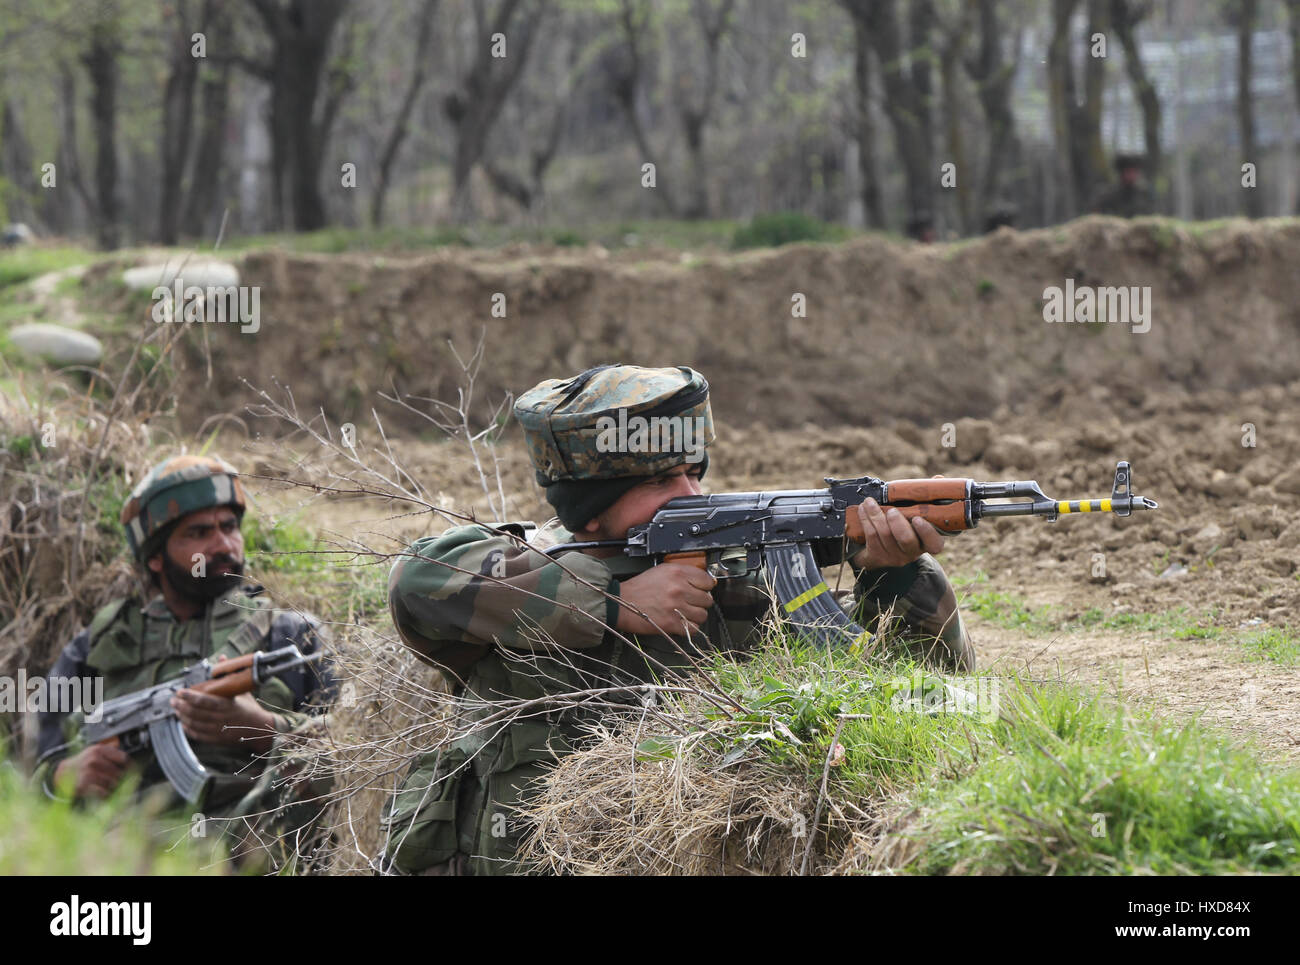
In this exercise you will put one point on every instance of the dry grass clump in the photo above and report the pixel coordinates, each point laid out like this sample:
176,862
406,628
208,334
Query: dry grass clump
63,473
390,709
740,770
796,760
611,810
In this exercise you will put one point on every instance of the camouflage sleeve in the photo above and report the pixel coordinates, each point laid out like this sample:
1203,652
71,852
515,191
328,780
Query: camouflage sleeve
924,603
58,729
472,587
299,694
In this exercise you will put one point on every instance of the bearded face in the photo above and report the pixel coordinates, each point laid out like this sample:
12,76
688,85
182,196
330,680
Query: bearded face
209,536
223,572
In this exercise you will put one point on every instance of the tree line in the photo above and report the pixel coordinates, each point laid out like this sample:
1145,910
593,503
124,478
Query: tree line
162,120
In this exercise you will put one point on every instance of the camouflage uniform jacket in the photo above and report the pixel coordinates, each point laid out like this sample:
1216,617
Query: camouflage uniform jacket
508,603
133,647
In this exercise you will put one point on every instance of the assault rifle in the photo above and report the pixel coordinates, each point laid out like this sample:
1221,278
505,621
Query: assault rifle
146,718
734,534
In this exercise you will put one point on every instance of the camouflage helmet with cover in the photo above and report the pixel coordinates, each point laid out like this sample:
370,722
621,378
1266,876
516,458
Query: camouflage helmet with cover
594,436
173,489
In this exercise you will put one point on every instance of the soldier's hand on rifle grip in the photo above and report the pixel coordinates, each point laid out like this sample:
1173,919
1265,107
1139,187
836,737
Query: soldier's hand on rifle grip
99,769
668,594
891,539
225,720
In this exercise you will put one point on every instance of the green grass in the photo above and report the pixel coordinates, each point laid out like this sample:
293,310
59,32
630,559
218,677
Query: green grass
628,234
332,583
1044,779
22,264
280,545
110,838
17,311
1071,784
789,698
340,240
1273,645
1012,612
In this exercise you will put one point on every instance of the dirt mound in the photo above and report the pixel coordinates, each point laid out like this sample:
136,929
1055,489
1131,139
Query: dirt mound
888,331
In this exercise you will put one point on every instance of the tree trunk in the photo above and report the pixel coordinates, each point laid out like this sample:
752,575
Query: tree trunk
100,59
922,171
202,209
60,210
1247,10
397,134
1125,20
1293,27
864,129
1091,167
954,40
695,115
993,80
907,98
1077,126
300,32
626,67
1060,95
178,115
18,165
473,108
298,86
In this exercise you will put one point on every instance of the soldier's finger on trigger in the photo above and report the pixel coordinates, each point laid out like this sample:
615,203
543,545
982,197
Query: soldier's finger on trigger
110,755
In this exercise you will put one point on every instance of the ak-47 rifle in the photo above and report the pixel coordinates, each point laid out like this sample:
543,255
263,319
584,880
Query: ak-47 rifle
145,718
734,534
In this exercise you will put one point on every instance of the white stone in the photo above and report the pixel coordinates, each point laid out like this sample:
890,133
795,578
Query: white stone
204,274
66,346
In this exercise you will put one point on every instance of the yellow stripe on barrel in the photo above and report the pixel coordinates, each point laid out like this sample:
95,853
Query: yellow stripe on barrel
805,597
1084,506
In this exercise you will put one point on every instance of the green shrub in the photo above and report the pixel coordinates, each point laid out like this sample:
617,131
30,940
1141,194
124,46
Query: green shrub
280,545
781,228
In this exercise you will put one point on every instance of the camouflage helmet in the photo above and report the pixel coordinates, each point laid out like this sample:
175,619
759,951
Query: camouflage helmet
174,488
616,421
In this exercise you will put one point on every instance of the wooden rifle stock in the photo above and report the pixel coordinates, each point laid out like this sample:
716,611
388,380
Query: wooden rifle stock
230,678
940,502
